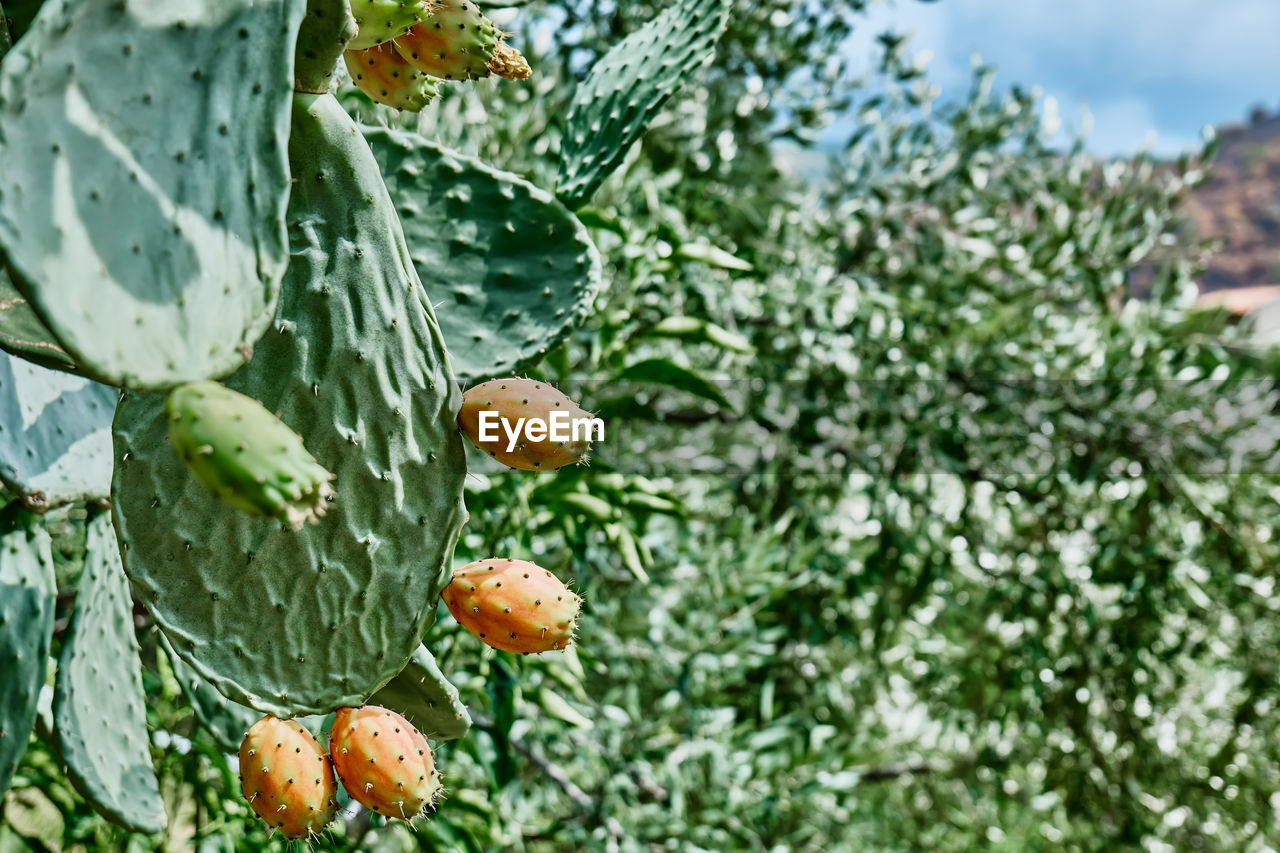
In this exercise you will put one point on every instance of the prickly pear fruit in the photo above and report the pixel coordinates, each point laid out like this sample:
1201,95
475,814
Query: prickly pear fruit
287,778
459,43
384,75
513,605
504,436
383,761
381,21
245,455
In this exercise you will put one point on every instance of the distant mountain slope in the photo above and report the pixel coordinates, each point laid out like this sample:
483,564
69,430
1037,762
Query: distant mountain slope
1240,205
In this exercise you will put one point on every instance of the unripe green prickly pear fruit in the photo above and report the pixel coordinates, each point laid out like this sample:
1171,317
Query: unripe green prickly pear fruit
381,21
459,43
287,778
497,416
513,605
245,455
384,75
383,761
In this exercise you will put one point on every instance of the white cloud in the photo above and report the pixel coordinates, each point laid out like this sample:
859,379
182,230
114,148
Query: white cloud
1168,66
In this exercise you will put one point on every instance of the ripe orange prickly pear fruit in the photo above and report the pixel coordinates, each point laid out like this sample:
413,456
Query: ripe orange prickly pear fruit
287,778
384,762
513,605
504,436
457,42
383,75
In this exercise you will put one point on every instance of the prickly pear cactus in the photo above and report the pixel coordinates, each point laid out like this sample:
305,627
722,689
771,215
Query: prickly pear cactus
383,74
227,721
383,20
516,270
98,704
626,89
24,334
144,238
423,696
457,42
27,596
304,622
55,444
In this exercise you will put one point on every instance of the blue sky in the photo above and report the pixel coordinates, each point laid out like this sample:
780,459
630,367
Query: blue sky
1141,67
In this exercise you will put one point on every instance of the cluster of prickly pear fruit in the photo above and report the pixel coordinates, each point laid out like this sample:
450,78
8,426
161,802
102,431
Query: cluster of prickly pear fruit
402,49
383,762
264,249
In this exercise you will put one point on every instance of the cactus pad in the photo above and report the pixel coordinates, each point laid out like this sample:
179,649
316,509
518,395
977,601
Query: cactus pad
24,334
626,89
98,704
55,434
27,596
227,721
143,236
299,623
423,696
515,271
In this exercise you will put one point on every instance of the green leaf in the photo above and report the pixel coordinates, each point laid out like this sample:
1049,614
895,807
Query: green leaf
662,371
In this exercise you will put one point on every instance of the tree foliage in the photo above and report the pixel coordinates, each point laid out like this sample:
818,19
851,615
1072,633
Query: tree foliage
916,526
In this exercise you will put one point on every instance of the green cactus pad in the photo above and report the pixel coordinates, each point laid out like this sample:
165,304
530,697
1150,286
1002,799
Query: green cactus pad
99,707
24,334
143,209
383,20
20,14
627,87
55,434
515,270
227,721
27,596
423,696
296,623
326,31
